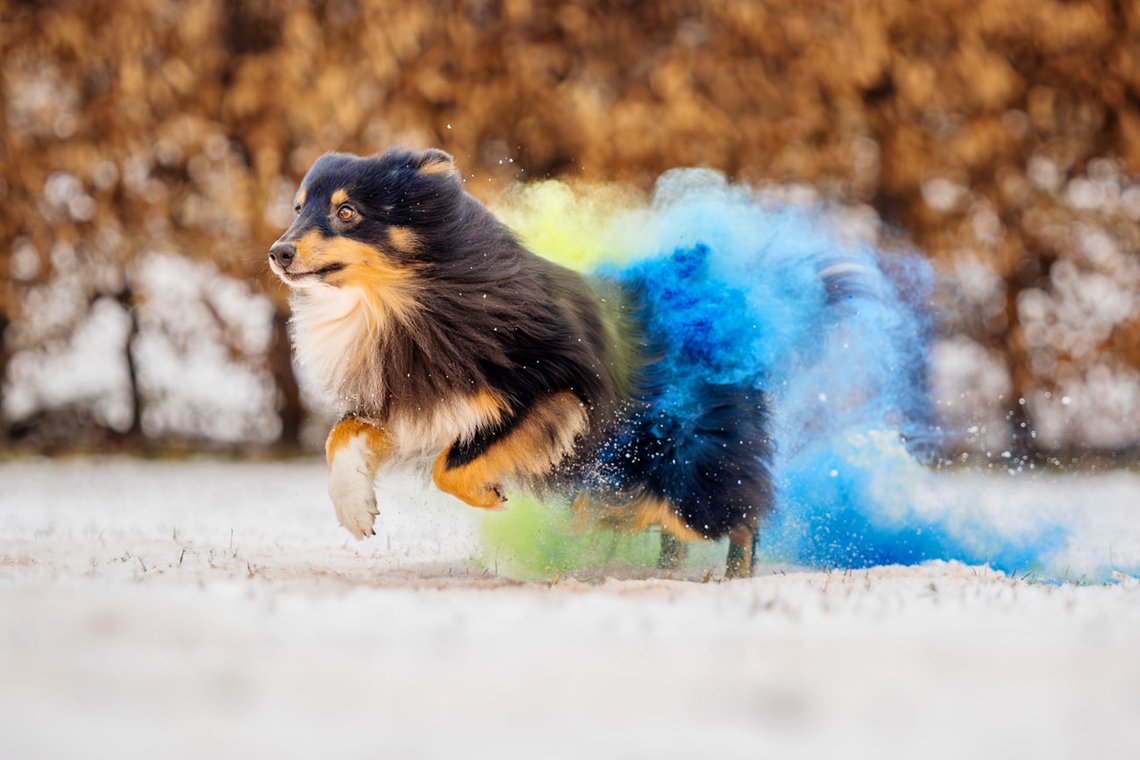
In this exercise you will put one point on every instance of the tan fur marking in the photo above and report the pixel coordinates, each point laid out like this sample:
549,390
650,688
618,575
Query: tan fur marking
526,450
389,290
632,517
379,444
651,511
301,196
439,166
403,239
489,404
339,197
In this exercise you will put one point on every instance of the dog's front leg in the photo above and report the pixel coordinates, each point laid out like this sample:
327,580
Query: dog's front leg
354,450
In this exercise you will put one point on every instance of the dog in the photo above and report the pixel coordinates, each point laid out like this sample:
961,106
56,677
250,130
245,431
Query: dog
435,333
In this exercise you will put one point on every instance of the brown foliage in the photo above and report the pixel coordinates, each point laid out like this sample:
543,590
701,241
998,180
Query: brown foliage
186,125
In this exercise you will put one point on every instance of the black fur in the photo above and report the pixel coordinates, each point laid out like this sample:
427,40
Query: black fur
492,314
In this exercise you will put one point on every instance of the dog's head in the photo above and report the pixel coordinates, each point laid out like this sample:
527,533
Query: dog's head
363,220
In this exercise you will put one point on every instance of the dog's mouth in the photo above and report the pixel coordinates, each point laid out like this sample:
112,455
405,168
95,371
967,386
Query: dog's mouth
293,277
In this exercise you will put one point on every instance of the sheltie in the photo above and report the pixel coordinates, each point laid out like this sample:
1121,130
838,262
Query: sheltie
435,333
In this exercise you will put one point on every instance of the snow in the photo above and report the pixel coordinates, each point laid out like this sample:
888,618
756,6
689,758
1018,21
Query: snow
193,608
200,350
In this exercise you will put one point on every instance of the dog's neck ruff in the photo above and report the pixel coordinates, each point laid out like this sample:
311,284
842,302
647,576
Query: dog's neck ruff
337,335
340,338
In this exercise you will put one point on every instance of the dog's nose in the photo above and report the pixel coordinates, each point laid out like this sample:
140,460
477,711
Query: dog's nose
283,254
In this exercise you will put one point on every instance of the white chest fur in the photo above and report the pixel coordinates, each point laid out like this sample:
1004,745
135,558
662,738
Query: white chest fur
336,339
427,432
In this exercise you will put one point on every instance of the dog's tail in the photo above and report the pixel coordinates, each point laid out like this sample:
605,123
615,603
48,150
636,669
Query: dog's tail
846,279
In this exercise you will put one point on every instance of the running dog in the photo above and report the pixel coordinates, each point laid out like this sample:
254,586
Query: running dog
435,333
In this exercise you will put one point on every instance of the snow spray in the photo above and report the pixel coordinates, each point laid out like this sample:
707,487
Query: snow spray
761,292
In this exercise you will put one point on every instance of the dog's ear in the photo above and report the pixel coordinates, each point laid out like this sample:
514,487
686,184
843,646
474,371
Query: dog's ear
435,161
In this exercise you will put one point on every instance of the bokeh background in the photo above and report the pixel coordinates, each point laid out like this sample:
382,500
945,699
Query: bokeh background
149,152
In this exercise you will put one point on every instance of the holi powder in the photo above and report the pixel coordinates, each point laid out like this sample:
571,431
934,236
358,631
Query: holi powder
743,289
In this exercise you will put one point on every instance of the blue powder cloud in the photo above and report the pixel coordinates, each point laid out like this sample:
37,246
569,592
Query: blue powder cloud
745,292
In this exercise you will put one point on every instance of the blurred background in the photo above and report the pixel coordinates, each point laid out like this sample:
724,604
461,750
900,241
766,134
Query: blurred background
149,152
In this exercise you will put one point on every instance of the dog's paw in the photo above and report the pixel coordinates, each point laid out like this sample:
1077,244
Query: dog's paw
489,497
355,510
353,494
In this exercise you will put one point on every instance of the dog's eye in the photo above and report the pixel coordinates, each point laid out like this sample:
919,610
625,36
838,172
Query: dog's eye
345,213
297,209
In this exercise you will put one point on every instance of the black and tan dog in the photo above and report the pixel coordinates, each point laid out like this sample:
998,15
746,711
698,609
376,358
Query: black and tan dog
436,333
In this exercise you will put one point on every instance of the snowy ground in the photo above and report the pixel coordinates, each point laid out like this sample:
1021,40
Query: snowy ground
162,609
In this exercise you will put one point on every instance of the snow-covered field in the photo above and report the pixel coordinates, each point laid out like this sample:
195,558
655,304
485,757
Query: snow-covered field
205,609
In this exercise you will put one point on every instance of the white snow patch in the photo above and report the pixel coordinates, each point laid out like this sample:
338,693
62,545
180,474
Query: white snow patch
90,368
202,609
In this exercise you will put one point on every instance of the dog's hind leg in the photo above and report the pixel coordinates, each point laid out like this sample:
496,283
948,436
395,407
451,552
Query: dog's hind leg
673,551
530,445
741,544
354,450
